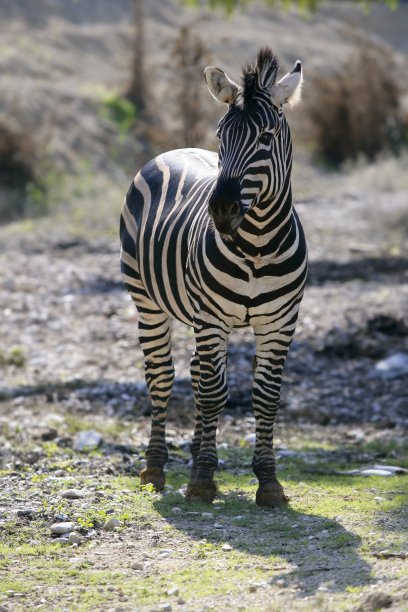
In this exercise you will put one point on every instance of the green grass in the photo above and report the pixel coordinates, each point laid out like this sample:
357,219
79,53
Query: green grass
334,522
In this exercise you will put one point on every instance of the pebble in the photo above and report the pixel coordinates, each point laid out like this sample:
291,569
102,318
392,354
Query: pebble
59,528
75,538
112,524
207,514
137,566
218,526
250,439
164,607
393,366
176,510
165,553
72,494
253,588
226,547
173,591
87,440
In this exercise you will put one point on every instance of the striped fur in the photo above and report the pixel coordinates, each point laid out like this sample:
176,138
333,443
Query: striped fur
214,242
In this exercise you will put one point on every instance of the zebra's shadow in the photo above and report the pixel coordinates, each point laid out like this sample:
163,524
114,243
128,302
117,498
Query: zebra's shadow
303,552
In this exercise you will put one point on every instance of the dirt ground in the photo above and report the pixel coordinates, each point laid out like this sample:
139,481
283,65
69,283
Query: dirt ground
70,363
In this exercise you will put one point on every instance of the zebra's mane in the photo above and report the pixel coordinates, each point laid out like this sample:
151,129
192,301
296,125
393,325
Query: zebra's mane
255,75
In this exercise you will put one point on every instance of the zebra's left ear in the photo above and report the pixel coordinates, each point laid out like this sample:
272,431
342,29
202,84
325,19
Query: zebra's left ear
220,85
289,88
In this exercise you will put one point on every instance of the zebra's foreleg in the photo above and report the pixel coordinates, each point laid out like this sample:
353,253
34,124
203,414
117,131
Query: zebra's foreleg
154,336
271,352
198,426
212,396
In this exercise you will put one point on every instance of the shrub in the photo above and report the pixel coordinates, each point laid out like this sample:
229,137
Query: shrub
357,110
22,168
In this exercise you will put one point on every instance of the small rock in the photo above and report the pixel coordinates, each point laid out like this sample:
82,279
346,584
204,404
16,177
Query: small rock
218,526
376,472
250,439
207,514
253,588
393,367
75,538
87,440
176,510
60,528
72,494
137,566
226,547
166,607
112,524
173,591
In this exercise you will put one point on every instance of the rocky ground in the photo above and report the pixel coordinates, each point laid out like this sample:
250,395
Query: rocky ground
71,365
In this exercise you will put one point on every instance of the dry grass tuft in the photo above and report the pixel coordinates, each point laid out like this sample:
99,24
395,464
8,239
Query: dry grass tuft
358,110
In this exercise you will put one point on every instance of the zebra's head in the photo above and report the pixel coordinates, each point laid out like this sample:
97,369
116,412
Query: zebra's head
255,147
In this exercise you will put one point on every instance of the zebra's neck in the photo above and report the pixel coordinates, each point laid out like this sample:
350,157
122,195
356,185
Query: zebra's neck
269,228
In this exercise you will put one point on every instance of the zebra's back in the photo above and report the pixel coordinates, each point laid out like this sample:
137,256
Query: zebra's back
165,205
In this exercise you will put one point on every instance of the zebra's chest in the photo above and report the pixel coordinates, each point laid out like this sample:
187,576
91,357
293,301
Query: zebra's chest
237,291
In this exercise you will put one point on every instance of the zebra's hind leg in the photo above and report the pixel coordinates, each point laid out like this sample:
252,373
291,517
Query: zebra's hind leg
154,336
271,350
212,396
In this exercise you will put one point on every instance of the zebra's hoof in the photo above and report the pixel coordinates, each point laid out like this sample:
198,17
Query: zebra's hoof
201,491
271,494
154,476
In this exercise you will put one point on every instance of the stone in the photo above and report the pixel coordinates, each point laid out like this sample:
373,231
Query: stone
75,538
176,510
60,528
137,566
112,524
393,366
250,439
72,494
173,591
87,440
226,547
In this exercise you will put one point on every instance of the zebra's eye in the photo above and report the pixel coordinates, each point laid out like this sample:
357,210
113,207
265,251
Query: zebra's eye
265,138
218,134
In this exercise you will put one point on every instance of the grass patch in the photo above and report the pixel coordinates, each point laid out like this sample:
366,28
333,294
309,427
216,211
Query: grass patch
333,522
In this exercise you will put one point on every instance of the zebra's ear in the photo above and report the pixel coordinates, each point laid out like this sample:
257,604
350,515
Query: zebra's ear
221,87
289,88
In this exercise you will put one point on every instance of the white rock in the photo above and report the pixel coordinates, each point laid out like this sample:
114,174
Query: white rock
112,524
176,510
218,526
87,440
250,439
60,528
394,366
173,591
207,514
226,547
376,472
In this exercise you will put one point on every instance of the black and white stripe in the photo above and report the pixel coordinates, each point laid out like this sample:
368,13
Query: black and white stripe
214,242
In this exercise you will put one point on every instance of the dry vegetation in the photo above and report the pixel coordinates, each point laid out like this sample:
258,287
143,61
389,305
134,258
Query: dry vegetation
357,110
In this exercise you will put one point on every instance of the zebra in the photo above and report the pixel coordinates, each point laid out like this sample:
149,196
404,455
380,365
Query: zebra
214,242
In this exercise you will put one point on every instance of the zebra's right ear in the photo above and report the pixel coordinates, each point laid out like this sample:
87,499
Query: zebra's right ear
221,87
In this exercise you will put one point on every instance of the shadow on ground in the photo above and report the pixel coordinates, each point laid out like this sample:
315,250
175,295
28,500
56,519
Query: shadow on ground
304,551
